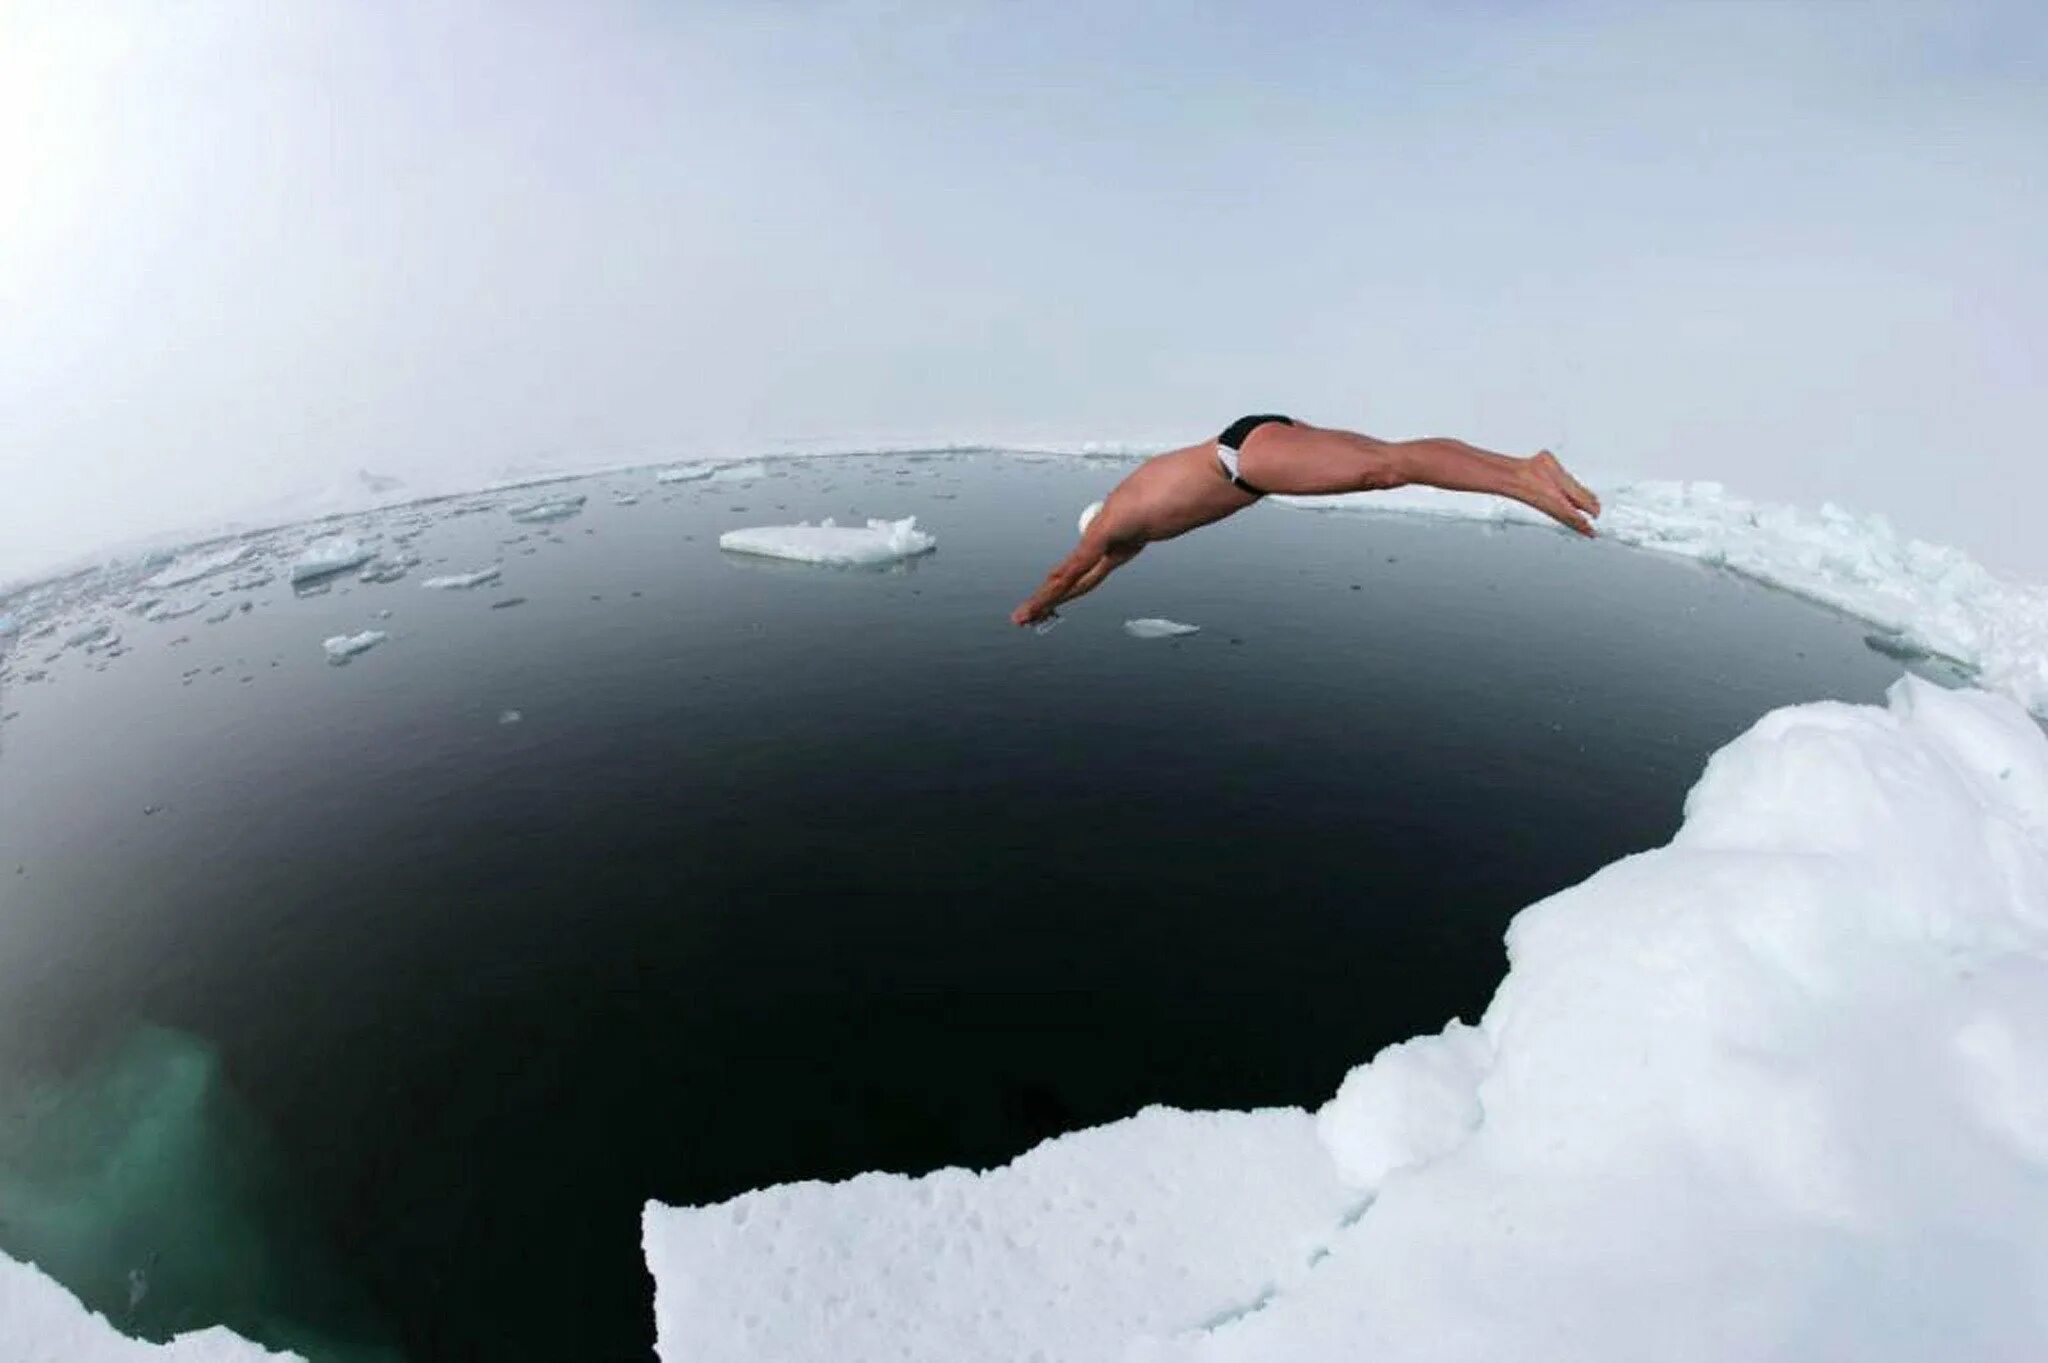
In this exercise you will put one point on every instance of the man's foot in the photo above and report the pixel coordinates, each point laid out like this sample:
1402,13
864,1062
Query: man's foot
1560,496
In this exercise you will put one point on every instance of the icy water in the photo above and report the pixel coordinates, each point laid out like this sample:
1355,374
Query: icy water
361,1007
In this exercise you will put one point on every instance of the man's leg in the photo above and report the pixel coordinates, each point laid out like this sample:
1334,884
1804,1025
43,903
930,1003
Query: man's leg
1309,460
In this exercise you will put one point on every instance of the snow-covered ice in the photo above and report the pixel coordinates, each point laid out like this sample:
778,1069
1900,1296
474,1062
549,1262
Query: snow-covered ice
463,581
40,1322
341,647
192,567
1152,627
1777,1090
684,473
328,556
877,542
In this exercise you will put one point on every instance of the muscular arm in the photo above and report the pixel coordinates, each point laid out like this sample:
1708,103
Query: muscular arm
1079,573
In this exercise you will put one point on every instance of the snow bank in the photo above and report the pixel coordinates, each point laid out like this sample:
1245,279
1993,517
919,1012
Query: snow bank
1151,627
828,542
42,1323
1778,1090
326,557
464,581
1933,600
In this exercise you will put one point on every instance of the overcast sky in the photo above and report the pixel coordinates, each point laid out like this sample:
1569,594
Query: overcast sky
249,249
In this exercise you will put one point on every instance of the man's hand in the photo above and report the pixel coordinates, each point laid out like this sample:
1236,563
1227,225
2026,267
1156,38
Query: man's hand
1557,494
1030,613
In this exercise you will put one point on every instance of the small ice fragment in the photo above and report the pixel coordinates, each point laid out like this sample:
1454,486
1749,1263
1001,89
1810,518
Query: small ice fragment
878,542
196,566
326,557
89,634
1153,628
1089,513
384,570
173,610
224,613
547,509
1047,625
740,473
463,581
342,647
625,499
507,603
683,473
509,717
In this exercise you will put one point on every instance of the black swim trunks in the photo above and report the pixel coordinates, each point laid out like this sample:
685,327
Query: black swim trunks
1232,440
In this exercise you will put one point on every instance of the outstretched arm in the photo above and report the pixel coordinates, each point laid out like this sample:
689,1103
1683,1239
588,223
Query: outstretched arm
1075,575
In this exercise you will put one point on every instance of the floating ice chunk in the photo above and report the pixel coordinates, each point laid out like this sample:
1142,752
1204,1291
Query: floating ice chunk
829,542
40,1322
192,568
739,473
89,634
685,473
1151,627
509,717
341,647
547,509
1089,513
1778,1089
464,581
325,557
174,610
625,499
381,570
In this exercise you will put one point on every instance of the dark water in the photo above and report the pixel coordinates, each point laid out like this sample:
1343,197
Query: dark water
336,1007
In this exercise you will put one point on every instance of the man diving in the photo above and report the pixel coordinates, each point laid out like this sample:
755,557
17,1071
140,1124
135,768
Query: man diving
1174,493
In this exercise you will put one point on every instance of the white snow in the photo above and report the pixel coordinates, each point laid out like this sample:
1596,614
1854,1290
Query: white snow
341,647
1152,627
1778,1090
195,566
463,581
40,1322
1936,600
328,556
877,542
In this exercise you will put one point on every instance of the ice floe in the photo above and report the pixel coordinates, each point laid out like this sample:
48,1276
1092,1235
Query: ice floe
1152,627
878,542
40,1322
341,647
195,566
547,509
684,473
464,581
1776,1090
323,558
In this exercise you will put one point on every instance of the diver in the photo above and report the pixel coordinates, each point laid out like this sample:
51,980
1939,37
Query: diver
1173,493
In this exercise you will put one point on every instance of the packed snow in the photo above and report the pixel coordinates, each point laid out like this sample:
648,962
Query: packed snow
40,1322
1776,1090
1152,627
326,557
464,581
341,647
877,542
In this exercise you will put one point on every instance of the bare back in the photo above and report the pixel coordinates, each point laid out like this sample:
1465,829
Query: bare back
1170,494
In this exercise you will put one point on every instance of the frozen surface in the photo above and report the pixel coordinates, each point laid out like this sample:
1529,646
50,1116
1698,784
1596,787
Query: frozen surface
1064,1254
326,557
547,509
341,647
1778,1090
42,1323
684,473
876,542
192,567
463,581
1931,599
1152,627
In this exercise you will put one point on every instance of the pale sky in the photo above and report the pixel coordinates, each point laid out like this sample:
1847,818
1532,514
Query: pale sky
249,249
